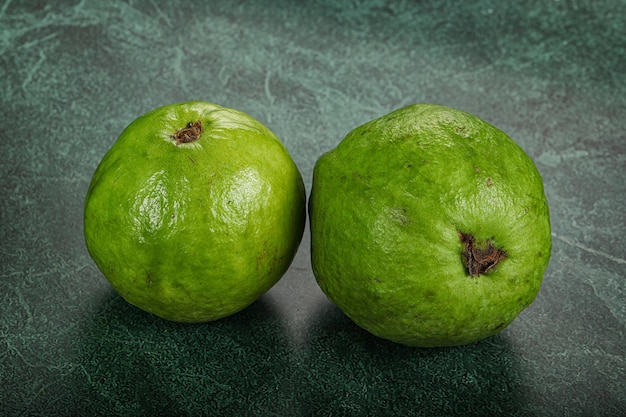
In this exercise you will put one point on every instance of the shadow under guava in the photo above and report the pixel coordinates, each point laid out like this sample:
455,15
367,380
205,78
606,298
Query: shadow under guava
347,371
137,364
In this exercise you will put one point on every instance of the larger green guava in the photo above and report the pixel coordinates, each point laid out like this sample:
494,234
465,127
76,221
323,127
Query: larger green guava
429,227
194,212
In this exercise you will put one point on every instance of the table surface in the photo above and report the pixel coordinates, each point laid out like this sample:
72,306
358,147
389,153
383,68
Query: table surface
73,74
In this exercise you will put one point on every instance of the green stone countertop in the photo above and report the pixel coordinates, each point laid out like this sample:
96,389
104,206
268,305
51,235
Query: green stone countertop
73,74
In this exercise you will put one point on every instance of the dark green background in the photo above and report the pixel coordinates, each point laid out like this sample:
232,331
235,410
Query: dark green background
73,74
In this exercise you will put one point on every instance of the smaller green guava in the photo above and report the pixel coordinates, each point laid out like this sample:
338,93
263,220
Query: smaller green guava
194,212
429,227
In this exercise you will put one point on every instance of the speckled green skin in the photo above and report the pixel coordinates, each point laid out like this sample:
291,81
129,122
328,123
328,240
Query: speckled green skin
386,209
195,231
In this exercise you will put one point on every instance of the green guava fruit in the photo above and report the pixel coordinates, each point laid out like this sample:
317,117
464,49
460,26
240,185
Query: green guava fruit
429,227
194,212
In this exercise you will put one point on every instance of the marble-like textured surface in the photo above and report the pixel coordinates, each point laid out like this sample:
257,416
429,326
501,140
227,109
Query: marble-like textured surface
73,74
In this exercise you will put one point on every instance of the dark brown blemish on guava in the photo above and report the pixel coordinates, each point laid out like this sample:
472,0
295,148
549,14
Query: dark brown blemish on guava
190,133
489,182
148,279
479,260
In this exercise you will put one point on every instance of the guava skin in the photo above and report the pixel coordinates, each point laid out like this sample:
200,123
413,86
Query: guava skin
391,208
194,229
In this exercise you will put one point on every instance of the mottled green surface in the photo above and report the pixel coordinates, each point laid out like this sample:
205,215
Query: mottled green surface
73,74
386,243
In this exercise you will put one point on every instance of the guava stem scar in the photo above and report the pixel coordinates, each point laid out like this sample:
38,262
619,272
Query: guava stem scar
479,260
190,133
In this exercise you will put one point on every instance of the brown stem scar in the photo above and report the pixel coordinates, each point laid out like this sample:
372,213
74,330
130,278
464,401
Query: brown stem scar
190,133
479,260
